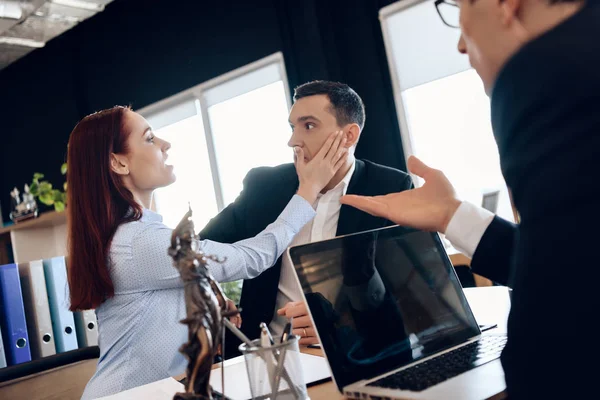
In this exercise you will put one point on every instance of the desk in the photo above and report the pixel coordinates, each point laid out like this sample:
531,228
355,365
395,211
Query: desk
489,304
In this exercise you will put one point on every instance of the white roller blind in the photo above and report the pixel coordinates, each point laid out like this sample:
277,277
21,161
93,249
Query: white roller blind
243,84
174,113
423,48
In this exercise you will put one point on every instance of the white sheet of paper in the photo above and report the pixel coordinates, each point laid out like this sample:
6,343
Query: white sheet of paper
314,368
159,390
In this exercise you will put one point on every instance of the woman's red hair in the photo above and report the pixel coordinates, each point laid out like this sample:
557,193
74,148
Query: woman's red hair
97,203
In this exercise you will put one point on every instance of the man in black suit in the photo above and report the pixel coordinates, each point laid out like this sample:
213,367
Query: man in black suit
539,61
320,107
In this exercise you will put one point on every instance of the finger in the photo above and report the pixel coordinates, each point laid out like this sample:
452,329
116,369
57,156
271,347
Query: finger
341,161
419,168
298,156
289,304
237,321
308,341
300,332
326,146
296,311
335,145
367,204
339,152
301,322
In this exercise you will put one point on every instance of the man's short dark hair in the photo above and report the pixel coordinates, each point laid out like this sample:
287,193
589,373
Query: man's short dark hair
347,106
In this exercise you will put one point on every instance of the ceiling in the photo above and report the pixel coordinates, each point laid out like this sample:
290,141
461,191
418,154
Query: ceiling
26,25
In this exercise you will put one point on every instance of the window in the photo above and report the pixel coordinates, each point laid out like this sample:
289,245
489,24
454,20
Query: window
218,131
443,110
249,126
194,185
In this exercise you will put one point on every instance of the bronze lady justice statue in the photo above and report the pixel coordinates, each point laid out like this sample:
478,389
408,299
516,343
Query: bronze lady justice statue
205,306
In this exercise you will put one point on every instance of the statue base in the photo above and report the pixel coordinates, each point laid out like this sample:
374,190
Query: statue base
17,217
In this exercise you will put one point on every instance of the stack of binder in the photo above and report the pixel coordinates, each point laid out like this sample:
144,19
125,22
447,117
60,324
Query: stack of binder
63,322
87,328
35,320
2,354
37,309
12,318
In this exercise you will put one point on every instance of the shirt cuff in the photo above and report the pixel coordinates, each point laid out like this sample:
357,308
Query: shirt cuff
297,213
467,226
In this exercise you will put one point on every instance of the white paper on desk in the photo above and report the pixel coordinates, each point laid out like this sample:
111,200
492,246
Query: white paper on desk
490,305
314,368
159,390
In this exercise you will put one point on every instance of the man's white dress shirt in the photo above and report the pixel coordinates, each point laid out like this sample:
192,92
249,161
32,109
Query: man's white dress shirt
323,226
467,226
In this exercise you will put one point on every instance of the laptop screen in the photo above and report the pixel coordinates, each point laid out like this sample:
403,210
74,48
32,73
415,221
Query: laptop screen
382,299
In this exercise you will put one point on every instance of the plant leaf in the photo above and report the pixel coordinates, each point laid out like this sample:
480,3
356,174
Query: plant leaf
59,206
37,176
47,198
58,196
33,189
63,168
45,186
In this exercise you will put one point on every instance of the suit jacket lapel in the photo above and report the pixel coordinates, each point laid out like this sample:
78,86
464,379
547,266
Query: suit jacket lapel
282,194
289,186
350,217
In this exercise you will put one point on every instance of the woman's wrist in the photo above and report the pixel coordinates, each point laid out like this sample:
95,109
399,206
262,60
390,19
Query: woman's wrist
307,193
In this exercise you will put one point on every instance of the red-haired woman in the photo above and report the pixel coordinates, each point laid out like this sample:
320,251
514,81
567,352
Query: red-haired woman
118,262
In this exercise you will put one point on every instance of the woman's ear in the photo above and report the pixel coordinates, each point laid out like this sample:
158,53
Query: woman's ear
352,135
119,164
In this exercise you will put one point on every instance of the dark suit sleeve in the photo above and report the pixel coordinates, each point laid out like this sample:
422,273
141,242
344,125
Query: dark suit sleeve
408,183
229,226
493,256
400,185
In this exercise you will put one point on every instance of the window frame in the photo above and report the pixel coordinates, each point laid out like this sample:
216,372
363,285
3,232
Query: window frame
196,95
406,135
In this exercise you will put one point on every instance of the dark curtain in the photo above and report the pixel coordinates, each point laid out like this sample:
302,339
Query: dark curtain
342,41
138,52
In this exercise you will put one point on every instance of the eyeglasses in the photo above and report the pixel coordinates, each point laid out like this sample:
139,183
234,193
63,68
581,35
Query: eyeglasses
449,12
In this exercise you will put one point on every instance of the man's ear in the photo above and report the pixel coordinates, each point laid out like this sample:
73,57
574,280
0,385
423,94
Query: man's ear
510,10
352,134
119,164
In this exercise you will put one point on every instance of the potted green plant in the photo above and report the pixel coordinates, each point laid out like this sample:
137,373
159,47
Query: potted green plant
46,194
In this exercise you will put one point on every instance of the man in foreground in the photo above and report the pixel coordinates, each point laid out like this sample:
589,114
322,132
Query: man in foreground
539,61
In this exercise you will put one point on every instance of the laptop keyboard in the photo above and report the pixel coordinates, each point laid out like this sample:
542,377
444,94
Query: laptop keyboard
445,366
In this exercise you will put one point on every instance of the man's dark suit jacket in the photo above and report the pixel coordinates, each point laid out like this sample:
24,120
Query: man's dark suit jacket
546,119
267,190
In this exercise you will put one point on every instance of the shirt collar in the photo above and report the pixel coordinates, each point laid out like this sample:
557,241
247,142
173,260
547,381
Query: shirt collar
342,186
347,177
150,216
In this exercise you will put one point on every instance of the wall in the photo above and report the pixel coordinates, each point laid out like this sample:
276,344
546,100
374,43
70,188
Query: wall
140,51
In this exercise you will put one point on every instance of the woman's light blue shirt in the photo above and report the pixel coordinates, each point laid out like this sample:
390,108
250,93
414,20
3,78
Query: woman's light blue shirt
139,332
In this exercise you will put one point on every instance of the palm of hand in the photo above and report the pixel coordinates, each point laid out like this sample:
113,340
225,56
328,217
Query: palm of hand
424,208
429,207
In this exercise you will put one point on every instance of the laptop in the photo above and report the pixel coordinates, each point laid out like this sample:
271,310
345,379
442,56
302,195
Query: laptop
393,319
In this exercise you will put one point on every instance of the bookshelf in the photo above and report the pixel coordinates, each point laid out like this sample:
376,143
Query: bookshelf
34,239
42,238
